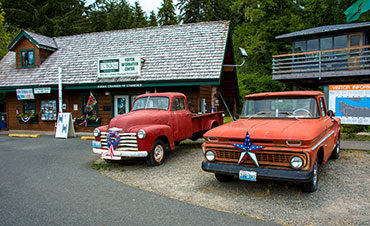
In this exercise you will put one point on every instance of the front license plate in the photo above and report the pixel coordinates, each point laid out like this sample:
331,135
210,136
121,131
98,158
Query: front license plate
248,175
96,144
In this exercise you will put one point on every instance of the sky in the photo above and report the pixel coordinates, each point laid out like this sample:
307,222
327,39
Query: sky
147,5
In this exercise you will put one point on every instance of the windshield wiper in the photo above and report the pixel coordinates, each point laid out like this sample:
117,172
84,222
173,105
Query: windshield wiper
288,113
260,113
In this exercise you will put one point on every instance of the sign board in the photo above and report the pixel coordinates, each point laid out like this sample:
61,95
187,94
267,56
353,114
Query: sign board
65,126
42,90
119,67
351,103
25,94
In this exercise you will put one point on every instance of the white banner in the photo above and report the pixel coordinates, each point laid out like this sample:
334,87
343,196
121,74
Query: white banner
119,67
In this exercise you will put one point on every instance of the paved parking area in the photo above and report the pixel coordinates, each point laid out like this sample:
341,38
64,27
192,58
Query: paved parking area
343,197
47,181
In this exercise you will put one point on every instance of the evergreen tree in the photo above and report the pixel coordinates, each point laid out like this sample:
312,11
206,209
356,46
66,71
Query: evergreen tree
4,36
153,19
192,11
140,19
166,13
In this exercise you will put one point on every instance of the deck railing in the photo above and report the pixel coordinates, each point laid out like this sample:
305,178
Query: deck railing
319,62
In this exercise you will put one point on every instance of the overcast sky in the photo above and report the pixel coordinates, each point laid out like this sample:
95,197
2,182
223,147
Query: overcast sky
147,5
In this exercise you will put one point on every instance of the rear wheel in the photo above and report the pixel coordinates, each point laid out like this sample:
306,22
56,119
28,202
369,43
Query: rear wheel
336,151
224,177
312,185
156,156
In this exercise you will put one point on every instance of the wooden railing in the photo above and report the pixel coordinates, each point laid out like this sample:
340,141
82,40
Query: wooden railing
319,62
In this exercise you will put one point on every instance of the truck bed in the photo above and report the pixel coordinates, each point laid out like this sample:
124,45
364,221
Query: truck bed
203,122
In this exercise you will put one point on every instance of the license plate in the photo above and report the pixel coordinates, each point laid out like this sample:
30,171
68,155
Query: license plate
96,144
248,175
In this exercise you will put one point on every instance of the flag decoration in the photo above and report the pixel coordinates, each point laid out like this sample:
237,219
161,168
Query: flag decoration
113,141
91,102
356,9
248,150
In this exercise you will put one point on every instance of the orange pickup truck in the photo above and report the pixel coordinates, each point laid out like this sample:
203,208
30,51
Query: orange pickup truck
280,136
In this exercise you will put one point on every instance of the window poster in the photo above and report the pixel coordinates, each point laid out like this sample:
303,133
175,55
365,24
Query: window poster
48,110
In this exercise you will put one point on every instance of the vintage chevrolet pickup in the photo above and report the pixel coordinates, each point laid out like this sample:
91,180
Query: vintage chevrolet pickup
157,121
280,136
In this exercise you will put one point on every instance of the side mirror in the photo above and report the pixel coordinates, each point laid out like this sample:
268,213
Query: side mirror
331,114
236,117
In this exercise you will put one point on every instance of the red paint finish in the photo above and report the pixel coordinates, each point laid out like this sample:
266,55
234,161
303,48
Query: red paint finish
168,125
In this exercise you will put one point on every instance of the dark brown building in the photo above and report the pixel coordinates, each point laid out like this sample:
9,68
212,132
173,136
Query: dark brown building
116,66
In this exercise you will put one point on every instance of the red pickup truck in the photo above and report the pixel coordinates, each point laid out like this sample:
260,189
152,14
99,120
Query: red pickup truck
157,121
280,136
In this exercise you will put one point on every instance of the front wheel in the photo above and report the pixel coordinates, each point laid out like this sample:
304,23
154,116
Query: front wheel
156,156
312,185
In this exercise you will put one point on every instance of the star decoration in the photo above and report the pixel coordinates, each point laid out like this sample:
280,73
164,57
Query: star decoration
249,150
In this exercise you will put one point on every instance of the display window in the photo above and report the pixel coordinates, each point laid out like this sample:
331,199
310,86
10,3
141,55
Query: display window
48,110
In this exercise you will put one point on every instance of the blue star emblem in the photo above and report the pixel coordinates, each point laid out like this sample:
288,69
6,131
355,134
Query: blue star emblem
248,150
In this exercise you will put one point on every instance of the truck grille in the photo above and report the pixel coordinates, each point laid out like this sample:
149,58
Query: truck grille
128,141
265,158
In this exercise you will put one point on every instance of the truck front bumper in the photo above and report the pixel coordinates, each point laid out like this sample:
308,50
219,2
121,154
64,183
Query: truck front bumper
118,155
262,173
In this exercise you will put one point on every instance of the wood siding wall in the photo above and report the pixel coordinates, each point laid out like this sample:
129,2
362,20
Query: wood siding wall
23,45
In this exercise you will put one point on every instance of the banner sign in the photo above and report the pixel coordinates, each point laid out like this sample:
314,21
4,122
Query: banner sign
25,94
65,126
351,103
119,67
42,90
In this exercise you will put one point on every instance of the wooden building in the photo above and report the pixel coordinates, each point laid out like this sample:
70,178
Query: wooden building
335,54
116,66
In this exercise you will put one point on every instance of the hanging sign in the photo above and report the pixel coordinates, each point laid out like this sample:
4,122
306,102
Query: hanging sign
119,67
65,126
42,90
25,94
351,103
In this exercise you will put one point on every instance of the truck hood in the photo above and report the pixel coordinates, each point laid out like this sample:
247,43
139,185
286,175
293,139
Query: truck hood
138,118
270,129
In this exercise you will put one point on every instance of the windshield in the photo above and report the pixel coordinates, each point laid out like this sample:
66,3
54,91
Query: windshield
280,107
160,103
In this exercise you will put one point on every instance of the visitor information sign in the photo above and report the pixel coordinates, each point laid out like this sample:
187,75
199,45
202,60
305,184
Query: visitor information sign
65,127
351,103
119,67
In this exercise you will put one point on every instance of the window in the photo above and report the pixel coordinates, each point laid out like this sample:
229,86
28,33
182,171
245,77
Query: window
340,42
323,112
299,46
312,45
29,106
326,43
178,104
27,58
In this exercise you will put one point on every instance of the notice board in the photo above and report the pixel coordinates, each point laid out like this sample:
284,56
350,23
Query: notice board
65,126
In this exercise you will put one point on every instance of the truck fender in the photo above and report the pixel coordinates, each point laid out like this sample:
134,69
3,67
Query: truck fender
153,132
211,124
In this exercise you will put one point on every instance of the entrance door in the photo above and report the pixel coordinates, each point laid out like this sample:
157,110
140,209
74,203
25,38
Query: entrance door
354,41
121,105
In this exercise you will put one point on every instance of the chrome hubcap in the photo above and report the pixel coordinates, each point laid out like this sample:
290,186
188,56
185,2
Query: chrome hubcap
158,153
315,174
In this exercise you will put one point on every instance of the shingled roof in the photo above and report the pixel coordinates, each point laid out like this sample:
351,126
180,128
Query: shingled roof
187,52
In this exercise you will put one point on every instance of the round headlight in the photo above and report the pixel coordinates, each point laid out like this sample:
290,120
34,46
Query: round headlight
141,134
296,162
210,155
96,132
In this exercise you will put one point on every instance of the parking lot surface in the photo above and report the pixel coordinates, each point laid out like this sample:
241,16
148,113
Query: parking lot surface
48,181
342,197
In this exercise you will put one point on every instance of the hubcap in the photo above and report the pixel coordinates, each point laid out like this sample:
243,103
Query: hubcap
315,174
158,153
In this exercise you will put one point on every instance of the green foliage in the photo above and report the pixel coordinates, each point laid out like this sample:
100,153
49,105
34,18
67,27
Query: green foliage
4,36
192,11
153,19
140,19
354,128
166,14
101,166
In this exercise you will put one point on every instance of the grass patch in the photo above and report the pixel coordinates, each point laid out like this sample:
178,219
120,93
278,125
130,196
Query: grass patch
101,166
227,119
122,170
353,136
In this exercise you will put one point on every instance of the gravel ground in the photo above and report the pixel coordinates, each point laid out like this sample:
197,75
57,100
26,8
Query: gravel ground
342,197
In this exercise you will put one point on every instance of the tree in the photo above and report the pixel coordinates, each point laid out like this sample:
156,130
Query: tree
4,36
192,11
153,19
47,17
140,19
166,13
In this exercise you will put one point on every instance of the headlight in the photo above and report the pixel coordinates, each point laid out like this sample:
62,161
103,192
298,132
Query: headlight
210,156
96,132
296,162
141,134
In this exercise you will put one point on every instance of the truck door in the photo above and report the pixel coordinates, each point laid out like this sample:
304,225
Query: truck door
182,124
329,143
